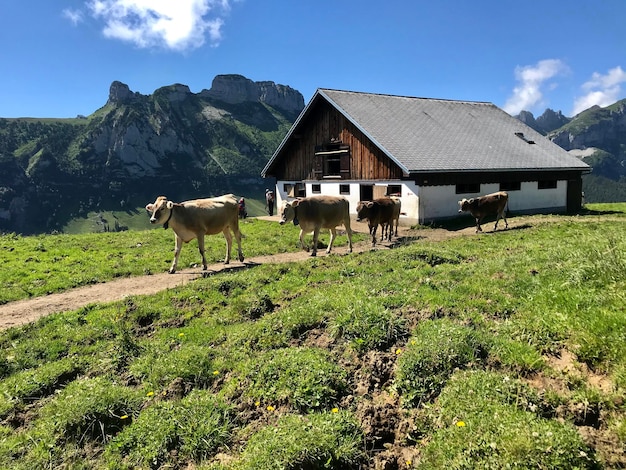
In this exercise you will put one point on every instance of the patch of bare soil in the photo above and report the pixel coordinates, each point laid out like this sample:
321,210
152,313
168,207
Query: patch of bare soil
28,310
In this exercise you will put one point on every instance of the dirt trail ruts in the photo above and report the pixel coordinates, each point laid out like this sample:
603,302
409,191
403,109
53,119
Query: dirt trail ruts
25,311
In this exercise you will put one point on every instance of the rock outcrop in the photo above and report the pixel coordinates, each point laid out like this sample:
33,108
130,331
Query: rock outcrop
235,89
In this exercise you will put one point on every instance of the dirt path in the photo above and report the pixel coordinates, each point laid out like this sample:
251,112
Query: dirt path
24,311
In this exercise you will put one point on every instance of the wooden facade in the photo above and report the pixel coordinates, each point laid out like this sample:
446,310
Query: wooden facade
324,126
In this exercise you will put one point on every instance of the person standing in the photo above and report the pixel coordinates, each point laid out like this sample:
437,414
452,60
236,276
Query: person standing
269,201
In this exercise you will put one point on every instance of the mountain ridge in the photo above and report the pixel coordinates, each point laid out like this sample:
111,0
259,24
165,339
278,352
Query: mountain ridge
172,141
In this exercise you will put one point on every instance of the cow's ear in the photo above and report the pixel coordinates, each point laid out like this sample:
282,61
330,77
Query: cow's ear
471,201
295,203
150,207
169,204
369,204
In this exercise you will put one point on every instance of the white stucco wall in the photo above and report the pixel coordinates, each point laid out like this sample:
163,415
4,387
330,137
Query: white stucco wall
422,204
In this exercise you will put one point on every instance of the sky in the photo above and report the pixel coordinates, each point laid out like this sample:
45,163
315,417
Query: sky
58,58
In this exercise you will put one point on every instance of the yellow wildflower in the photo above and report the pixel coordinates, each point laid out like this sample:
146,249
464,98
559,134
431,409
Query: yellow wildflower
124,417
335,410
270,408
257,403
149,394
460,424
180,335
398,351
216,372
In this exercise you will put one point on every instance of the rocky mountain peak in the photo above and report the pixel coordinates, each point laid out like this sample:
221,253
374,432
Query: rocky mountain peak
234,89
119,93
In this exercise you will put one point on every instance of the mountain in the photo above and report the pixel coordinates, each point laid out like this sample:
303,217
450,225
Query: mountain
598,137
547,122
136,147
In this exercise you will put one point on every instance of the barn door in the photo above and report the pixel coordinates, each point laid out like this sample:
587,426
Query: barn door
380,191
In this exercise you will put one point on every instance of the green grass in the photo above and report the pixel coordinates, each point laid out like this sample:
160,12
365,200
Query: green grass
44,264
496,350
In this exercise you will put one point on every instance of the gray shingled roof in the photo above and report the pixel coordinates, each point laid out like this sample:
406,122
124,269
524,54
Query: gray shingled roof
432,135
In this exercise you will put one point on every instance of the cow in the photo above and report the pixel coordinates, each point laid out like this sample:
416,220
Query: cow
197,218
383,211
317,212
482,206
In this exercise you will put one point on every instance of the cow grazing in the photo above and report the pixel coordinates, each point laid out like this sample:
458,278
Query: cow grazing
482,206
197,218
382,211
317,212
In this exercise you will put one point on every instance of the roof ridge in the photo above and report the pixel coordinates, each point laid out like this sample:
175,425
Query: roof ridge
404,96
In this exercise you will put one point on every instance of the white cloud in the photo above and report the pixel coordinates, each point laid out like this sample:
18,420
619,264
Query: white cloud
532,79
178,25
75,16
601,90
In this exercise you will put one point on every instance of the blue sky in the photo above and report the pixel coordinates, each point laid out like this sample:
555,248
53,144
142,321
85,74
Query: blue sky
59,57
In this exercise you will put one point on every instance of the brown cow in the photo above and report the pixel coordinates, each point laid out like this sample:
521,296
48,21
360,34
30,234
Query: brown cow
197,218
482,206
317,212
383,211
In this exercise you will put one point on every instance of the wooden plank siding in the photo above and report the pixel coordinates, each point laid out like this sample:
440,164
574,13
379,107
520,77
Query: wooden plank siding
296,160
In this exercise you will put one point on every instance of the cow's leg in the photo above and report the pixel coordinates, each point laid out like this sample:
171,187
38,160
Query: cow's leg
373,229
346,224
178,245
478,228
201,250
302,244
238,239
333,234
503,216
229,243
316,235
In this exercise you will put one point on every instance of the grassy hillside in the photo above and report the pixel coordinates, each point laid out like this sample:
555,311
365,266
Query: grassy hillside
498,350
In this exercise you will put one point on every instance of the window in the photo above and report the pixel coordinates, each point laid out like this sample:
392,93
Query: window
546,184
344,189
466,188
316,188
511,186
332,160
394,190
294,189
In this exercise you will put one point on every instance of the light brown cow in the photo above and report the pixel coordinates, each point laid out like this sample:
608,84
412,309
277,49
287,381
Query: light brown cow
482,206
317,212
383,211
197,218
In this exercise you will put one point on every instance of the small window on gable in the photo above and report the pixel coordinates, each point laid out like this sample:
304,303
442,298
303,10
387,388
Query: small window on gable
511,186
344,189
546,184
316,188
467,188
332,160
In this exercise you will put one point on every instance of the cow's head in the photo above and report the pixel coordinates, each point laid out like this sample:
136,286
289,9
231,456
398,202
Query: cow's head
465,204
287,211
159,210
363,210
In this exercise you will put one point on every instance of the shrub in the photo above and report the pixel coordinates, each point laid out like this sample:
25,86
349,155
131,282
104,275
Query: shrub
435,350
